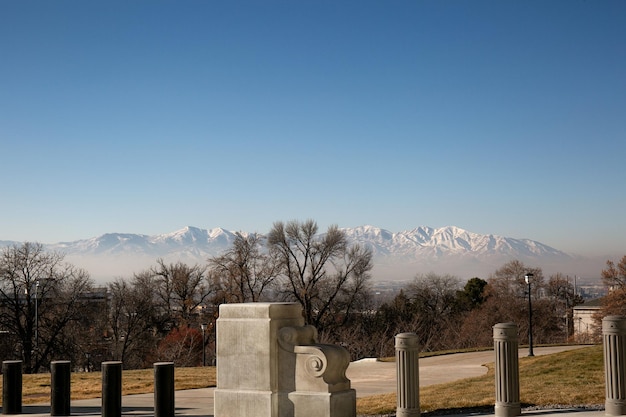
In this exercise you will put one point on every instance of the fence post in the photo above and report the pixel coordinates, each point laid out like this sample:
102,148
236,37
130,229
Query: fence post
12,387
111,389
164,405
507,370
407,374
60,376
614,341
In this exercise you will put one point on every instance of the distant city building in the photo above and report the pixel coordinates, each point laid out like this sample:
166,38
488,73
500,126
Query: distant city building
583,320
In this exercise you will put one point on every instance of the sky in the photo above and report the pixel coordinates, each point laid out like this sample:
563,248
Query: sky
146,116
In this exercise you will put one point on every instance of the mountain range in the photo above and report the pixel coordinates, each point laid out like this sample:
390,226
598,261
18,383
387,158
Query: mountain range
397,255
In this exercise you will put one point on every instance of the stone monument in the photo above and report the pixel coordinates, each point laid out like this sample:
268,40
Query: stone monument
269,364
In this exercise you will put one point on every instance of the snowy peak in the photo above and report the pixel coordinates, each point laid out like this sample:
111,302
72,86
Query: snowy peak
107,243
449,241
189,239
369,233
187,234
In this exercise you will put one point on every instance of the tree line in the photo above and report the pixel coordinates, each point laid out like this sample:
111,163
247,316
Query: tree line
52,310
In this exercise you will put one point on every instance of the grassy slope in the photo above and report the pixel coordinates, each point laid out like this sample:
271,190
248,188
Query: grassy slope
568,378
36,388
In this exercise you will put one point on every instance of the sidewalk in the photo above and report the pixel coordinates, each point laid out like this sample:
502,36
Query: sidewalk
197,402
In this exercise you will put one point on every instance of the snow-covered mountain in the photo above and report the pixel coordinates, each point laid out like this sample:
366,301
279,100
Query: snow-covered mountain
397,255
452,250
447,241
189,240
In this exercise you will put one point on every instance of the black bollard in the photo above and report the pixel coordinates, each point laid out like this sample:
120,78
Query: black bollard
164,389
111,389
12,387
60,376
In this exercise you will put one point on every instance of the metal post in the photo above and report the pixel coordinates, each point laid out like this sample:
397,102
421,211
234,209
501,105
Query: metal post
36,317
111,389
12,387
60,376
203,326
614,341
529,278
507,370
164,405
407,368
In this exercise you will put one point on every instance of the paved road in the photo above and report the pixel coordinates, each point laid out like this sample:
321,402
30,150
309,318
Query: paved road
368,377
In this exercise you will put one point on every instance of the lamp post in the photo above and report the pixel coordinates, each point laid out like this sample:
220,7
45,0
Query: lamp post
203,326
528,278
36,316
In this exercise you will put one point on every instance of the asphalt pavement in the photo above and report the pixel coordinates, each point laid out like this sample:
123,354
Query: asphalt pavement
368,377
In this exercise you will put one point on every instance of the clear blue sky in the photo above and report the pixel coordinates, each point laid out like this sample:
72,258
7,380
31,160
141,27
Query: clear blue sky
145,116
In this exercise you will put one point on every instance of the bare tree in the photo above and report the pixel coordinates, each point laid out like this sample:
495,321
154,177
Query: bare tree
39,295
509,279
132,316
183,346
243,272
436,309
84,341
320,271
560,289
562,295
182,289
614,276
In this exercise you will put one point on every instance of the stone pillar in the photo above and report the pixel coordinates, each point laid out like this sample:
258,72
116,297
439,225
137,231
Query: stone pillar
507,370
164,405
111,389
322,389
12,387
60,377
407,374
614,341
254,375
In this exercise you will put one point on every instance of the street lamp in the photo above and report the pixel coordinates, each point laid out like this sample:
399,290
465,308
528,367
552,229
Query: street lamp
36,316
528,278
203,326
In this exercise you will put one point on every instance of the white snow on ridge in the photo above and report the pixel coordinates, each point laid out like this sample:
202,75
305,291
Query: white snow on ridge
445,240
446,249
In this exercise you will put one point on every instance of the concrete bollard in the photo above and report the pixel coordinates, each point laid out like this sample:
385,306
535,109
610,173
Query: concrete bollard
164,389
407,374
507,370
60,376
12,387
111,389
614,341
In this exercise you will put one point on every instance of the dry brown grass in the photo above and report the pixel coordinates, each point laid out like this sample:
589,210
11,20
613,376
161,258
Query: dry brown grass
569,378
36,388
